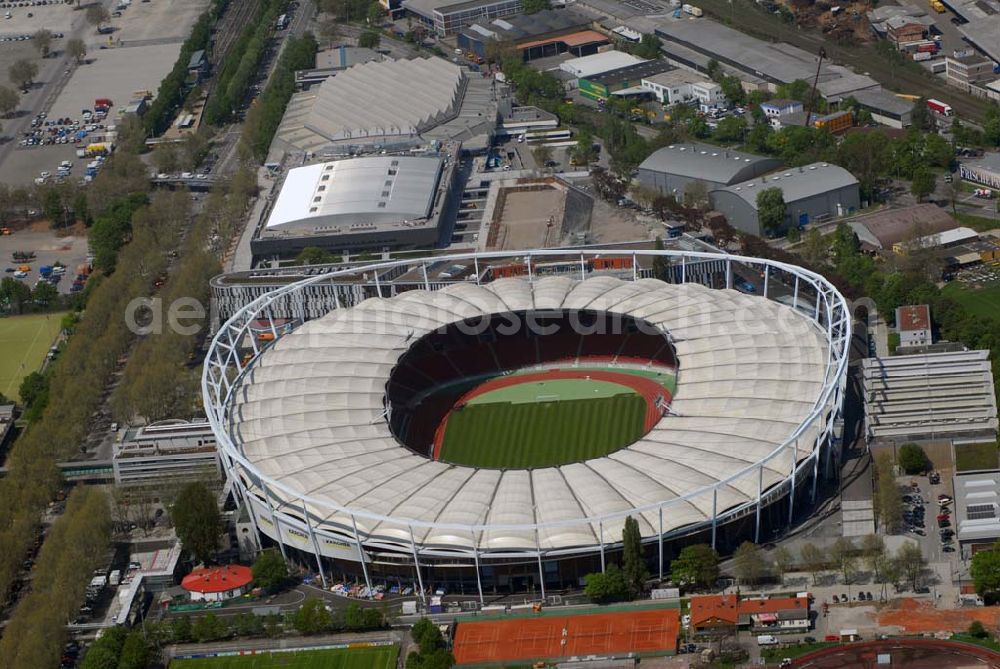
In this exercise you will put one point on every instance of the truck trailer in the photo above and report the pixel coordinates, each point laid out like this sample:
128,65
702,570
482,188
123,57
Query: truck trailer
939,107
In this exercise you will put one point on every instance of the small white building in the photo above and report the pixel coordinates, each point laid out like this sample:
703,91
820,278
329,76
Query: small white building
681,87
599,63
914,324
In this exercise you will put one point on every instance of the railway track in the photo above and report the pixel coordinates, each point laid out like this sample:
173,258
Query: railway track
747,18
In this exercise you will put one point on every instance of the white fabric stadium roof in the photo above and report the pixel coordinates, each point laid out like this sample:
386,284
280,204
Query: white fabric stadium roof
309,413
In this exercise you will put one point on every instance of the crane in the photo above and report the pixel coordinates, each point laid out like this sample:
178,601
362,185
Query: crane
812,94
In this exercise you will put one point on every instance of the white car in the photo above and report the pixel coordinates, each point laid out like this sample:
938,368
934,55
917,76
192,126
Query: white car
685,620
186,175
45,175
19,274
201,176
66,164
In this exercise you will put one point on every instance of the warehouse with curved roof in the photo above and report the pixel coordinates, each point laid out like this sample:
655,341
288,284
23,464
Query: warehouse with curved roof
671,168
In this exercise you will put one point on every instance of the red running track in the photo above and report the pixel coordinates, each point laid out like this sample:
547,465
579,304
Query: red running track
655,395
912,653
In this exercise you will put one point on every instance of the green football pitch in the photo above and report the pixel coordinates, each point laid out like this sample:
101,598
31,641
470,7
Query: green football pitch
24,341
541,430
379,657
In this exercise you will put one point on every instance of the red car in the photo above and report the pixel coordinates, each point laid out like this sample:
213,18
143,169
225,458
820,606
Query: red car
831,637
943,517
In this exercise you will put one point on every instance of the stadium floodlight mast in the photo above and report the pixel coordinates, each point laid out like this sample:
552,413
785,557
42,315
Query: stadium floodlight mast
331,529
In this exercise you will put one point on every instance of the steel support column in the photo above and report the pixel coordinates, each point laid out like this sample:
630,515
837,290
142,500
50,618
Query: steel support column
361,552
378,284
416,564
427,281
767,275
312,538
729,273
659,541
760,502
684,268
795,294
791,496
715,514
479,580
600,530
274,520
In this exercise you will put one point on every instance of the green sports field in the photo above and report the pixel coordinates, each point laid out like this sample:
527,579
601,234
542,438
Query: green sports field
24,341
380,657
505,435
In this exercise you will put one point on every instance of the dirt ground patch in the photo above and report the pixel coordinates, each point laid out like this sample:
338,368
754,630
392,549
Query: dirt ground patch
920,616
531,219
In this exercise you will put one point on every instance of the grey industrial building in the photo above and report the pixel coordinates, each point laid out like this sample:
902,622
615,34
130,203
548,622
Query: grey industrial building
542,34
930,396
811,192
373,202
673,167
447,17
166,452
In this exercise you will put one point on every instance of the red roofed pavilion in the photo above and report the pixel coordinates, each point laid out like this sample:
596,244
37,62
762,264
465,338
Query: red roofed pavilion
217,583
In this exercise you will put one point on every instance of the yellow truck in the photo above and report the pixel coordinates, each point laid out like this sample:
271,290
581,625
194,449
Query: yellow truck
938,6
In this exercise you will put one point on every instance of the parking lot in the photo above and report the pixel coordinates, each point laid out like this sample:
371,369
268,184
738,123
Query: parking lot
157,20
69,248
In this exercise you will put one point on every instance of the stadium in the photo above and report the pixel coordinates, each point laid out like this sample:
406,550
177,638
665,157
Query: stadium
492,426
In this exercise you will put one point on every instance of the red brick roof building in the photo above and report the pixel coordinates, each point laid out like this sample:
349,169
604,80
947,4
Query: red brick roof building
776,614
217,583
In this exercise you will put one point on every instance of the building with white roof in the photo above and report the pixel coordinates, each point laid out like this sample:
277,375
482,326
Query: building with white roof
309,431
599,63
977,510
374,202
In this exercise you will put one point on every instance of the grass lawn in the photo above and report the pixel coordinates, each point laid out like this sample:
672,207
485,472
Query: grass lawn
24,341
381,657
795,650
983,302
542,433
978,223
973,457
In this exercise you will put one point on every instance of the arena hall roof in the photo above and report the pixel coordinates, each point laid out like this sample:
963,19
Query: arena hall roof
360,191
310,413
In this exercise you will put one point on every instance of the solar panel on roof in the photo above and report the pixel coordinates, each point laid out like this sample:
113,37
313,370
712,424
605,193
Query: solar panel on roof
980,511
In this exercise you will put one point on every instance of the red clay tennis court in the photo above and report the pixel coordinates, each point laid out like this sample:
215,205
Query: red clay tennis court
650,631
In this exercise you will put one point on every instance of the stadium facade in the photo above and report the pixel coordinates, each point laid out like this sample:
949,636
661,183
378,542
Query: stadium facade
303,413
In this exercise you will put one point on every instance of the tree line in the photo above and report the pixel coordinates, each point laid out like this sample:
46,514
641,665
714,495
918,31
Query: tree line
232,82
265,115
75,545
170,94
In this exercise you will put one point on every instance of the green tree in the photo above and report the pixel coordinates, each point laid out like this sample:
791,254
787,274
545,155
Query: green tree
34,390
606,587
648,47
369,39
913,459
783,561
135,651
209,627
45,294
432,653
535,6
270,570
813,560
42,41
921,118
923,183
196,517
661,265
23,72
14,295
97,14
9,99
771,210
911,562
354,617
730,129
180,629
312,617
376,14
844,554
634,566
873,552
697,566
76,48
985,572
105,653
748,563
977,630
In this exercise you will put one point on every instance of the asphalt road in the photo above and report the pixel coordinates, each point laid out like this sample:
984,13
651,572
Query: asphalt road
863,59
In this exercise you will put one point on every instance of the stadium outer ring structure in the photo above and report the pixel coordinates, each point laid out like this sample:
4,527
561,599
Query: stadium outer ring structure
229,359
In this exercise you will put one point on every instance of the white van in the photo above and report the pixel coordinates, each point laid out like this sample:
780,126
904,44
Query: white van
767,640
